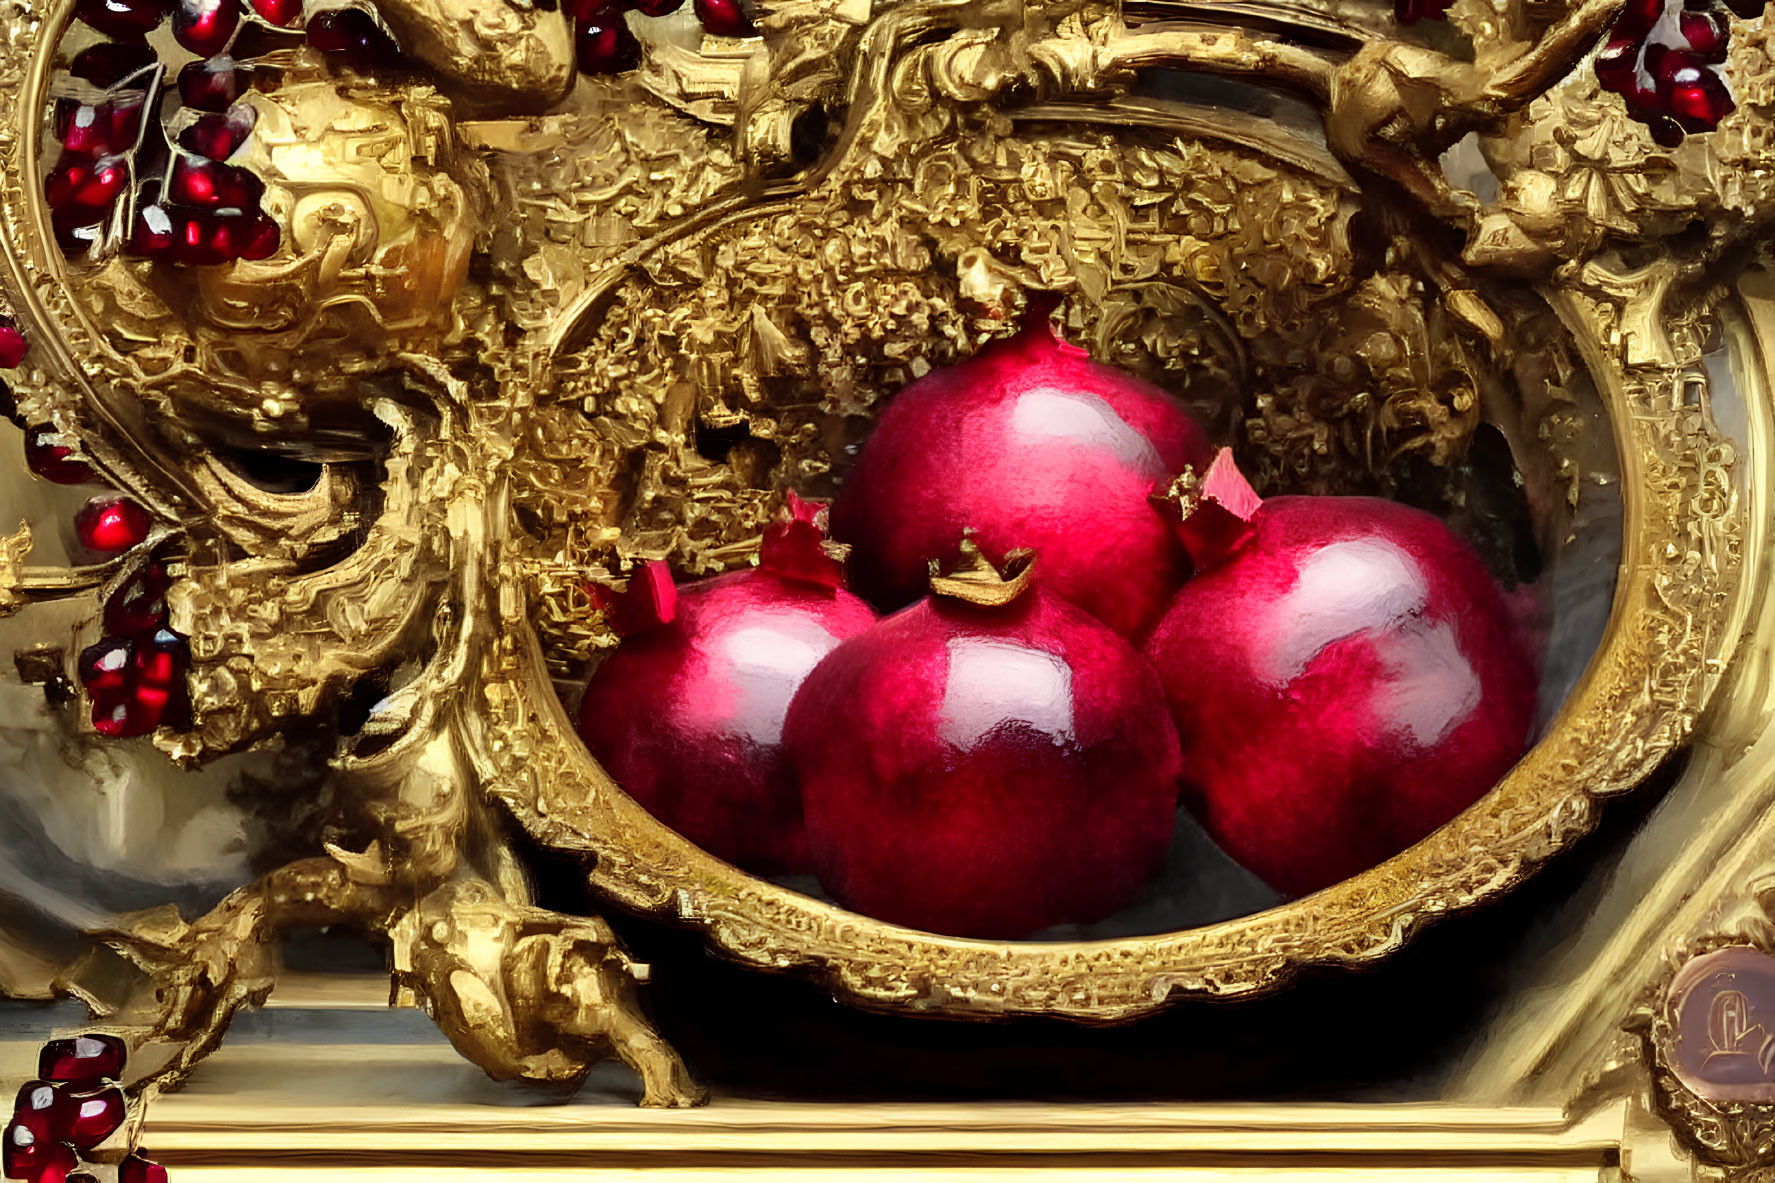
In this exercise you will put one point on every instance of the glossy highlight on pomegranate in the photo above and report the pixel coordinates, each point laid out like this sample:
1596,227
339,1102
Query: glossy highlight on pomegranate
985,771
687,715
1345,677
1028,444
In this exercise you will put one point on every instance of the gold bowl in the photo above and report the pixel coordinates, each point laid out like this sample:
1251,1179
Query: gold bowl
1677,612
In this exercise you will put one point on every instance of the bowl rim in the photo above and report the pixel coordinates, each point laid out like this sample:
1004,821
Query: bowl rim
1673,624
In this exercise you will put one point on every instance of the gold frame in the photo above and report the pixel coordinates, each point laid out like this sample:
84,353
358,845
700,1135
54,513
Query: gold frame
1693,571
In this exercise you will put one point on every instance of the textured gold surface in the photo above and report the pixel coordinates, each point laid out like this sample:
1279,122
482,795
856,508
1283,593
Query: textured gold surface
277,1111
540,315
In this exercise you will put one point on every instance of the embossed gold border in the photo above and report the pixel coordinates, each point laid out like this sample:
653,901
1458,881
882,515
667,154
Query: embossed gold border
246,1123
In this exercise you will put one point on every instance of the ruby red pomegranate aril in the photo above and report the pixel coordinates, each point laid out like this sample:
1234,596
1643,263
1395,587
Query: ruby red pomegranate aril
138,1169
211,86
202,238
148,694
1664,68
604,44
1706,32
161,662
122,20
43,1109
138,607
111,525
95,1117
355,36
1698,98
219,134
13,345
110,62
36,1096
725,18
94,131
55,462
153,236
27,1155
282,13
205,27
199,237
1618,63
79,187
208,185
104,667
82,1059
257,236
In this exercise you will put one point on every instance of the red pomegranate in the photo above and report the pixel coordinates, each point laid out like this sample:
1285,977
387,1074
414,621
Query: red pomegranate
1029,444
687,715
987,762
1345,677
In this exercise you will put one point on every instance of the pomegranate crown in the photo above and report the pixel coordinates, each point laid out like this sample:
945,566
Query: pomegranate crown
796,548
1216,510
975,580
648,601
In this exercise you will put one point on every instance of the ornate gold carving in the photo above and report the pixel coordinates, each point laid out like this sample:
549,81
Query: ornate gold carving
13,550
500,342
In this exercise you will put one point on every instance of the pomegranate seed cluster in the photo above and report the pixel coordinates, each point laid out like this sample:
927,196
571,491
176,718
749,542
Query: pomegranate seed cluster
146,147
1664,60
72,1109
1662,56
1070,616
134,676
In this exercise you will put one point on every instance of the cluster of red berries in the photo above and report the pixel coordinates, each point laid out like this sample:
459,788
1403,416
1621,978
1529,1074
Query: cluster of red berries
605,45
1663,58
135,677
73,1107
165,187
